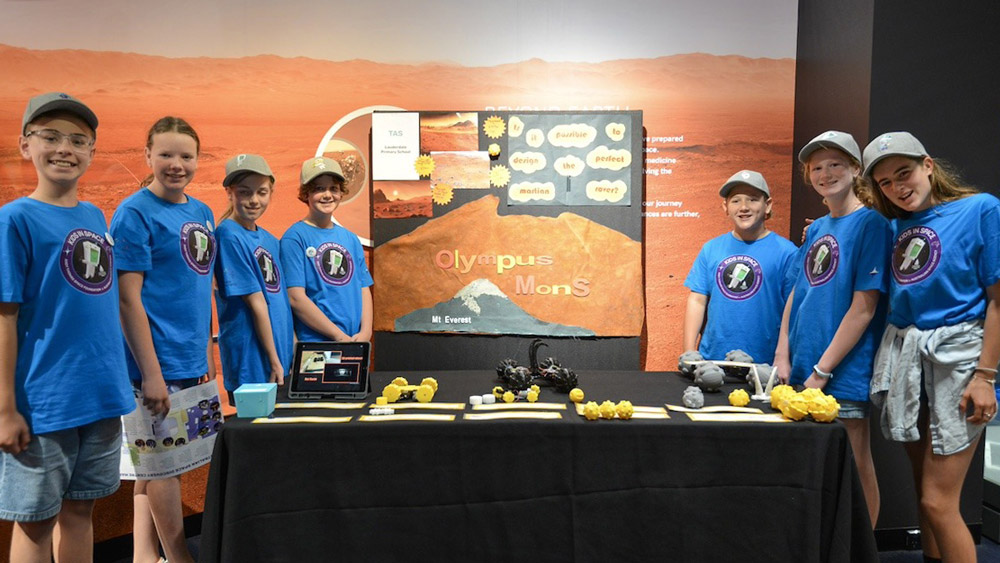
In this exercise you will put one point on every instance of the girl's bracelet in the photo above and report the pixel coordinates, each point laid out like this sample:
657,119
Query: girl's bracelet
990,380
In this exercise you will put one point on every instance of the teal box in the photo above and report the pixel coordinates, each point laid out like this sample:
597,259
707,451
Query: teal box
255,399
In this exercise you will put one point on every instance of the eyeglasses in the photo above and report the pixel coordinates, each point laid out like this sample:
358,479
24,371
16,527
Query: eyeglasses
52,139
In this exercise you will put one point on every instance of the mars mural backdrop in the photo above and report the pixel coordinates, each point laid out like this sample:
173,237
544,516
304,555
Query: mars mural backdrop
714,82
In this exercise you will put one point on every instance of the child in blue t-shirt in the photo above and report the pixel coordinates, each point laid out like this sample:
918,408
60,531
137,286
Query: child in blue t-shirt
936,366
739,278
62,389
166,251
255,321
328,281
835,315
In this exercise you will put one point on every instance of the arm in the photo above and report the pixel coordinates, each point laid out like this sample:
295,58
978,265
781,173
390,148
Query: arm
210,356
781,358
135,327
980,391
307,311
365,334
852,326
265,335
694,319
14,434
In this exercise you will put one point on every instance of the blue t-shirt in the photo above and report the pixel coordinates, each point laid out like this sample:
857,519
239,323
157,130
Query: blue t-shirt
173,244
841,255
58,267
330,265
746,284
248,263
943,259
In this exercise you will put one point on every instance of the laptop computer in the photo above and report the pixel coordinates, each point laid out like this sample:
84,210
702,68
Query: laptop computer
330,370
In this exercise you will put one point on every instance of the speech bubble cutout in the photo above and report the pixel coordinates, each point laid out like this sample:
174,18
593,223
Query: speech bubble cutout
528,191
574,135
615,131
609,159
515,126
604,190
527,162
534,138
569,165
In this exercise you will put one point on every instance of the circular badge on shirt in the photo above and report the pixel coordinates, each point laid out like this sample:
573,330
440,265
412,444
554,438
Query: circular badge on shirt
334,264
739,277
822,260
197,247
310,252
915,255
109,238
269,269
86,262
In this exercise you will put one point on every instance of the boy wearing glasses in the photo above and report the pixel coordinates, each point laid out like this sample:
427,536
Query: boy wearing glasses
62,391
329,286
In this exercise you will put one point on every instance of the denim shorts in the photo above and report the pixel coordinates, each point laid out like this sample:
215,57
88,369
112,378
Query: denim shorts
854,409
74,464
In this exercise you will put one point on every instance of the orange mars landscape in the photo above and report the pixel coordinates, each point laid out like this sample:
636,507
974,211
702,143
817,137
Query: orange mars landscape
448,131
707,116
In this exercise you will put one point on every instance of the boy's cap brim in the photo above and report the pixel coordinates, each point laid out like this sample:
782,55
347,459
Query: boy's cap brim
317,166
745,177
897,143
839,140
57,101
246,163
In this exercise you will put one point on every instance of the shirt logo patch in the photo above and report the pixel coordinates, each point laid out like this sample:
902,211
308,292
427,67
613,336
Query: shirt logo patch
915,255
197,247
739,277
268,269
822,260
334,263
86,262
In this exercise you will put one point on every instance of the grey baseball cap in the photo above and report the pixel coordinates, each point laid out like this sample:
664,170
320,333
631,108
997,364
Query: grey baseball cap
898,143
831,140
748,177
319,165
246,163
57,101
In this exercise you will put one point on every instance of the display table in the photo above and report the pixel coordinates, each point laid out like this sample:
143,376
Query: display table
566,490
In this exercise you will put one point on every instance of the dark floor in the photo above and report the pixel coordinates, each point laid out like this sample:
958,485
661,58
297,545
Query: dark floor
988,551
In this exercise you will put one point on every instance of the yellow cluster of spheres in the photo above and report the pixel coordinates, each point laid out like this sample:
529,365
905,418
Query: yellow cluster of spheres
809,402
608,410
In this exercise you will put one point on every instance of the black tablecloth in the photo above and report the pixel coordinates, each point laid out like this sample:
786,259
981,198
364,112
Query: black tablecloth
536,490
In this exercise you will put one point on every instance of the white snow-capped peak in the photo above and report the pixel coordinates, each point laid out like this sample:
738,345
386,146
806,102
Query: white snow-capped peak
477,288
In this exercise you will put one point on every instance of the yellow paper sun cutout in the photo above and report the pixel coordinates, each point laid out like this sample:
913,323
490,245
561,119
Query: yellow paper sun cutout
499,176
441,194
494,127
424,165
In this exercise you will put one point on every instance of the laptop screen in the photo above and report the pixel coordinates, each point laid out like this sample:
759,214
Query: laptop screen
329,369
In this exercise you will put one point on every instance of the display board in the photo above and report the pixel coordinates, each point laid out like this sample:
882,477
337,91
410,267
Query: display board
506,223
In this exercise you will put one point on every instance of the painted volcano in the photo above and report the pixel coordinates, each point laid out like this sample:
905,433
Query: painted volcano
564,271
482,308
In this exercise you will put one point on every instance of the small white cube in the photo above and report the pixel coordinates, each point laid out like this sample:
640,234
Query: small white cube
475,400
489,399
